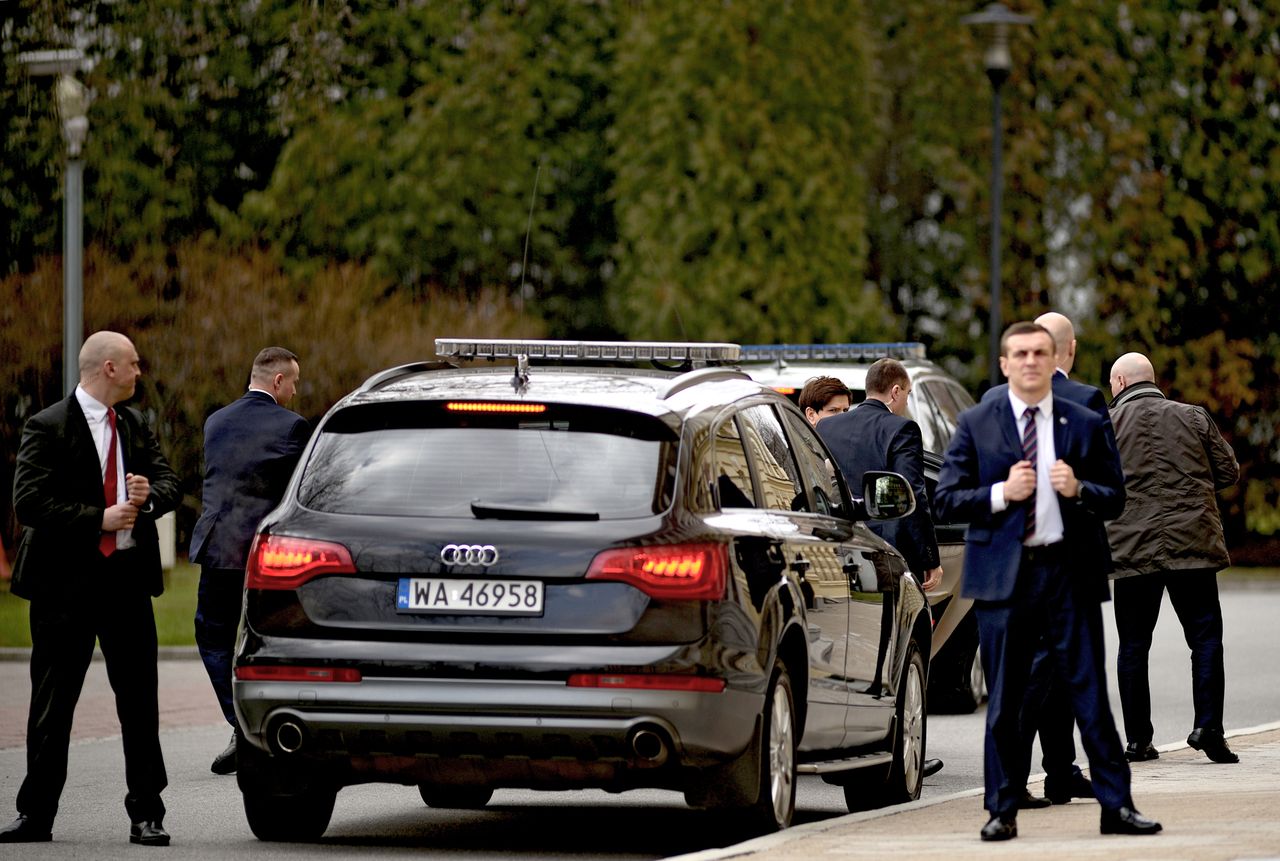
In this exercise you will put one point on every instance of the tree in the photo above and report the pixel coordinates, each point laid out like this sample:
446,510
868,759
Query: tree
738,148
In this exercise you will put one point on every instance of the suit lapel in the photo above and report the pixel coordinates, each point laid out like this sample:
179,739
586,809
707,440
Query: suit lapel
1008,424
81,442
1061,431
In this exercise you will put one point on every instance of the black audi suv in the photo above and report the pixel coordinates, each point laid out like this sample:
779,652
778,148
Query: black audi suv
577,564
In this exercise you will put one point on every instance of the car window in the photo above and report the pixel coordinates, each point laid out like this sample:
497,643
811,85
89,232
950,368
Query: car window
816,470
421,460
733,473
933,423
768,446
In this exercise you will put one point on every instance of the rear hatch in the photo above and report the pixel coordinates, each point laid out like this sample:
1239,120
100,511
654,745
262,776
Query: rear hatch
476,522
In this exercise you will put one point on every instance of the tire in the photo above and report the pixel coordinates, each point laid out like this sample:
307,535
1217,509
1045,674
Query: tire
455,797
775,802
289,818
906,773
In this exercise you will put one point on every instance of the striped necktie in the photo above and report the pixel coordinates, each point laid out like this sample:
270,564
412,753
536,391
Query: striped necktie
1029,447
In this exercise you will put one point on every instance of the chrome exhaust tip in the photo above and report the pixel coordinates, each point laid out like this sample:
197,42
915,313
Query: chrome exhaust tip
649,746
289,737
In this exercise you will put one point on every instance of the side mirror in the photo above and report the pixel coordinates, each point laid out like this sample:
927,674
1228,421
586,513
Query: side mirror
886,495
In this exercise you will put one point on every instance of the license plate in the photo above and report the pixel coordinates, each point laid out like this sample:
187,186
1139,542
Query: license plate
475,597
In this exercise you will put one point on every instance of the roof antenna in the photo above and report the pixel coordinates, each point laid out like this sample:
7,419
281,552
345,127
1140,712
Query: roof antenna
524,264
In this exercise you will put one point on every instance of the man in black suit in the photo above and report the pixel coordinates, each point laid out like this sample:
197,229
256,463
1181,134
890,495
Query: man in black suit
1048,708
89,484
875,435
250,449
1034,475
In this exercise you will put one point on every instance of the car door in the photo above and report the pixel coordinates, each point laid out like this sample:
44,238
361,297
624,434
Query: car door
866,574
811,558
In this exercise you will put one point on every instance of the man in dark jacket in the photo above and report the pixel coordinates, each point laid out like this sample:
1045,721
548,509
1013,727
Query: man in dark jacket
250,449
89,484
1168,538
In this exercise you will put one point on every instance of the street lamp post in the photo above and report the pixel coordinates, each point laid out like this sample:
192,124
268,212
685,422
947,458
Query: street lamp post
72,101
996,19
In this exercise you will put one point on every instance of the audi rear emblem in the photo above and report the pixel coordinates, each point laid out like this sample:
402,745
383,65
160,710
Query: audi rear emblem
483,555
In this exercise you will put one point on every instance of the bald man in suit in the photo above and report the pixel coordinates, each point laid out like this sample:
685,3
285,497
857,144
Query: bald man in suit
89,485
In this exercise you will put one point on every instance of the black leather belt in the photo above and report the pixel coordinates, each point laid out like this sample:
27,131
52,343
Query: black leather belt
1043,553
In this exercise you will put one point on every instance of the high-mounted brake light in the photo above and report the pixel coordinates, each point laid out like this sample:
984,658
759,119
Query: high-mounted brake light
297,674
688,571
647,682
587,351
785,390
828,352
282,562
479,407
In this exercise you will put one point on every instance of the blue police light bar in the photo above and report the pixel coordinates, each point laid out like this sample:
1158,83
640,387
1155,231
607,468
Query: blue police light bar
832,352
588,351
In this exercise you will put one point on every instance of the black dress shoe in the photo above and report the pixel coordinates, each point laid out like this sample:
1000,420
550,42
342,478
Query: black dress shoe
148,833
1135,752
999,829
1126,820
24,829
1032,802
1061,792
225,762
1212,743
931,767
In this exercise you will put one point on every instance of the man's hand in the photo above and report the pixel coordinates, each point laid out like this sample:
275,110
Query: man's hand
932,578
1021,482
120,516
138,488
1063,479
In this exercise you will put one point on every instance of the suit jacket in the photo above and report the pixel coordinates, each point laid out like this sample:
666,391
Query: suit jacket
986,444
870,437
1098,545
58,498
250,449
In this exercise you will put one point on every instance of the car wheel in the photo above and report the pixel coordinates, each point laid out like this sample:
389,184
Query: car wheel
296,818
455,797
776,802
906,773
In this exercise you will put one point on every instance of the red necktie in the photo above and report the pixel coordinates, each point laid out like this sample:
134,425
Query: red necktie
1029,446
107,543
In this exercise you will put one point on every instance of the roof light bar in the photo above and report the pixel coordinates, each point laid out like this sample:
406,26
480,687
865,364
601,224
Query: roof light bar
589,351
838,352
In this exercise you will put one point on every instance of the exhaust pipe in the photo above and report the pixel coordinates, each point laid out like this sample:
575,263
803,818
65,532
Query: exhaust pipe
649,746
289,737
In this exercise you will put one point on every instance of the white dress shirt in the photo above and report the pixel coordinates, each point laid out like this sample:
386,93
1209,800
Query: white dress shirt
1049,529
95,414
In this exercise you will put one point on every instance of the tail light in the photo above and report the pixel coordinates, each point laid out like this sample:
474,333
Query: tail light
690,571
281,562
647,682
297,674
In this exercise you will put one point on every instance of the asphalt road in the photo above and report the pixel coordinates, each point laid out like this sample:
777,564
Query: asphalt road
378,821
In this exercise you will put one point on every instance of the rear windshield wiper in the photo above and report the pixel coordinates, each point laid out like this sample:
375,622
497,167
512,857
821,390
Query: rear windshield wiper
513,511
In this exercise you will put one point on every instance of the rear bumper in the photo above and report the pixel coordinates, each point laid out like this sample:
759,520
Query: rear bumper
405,727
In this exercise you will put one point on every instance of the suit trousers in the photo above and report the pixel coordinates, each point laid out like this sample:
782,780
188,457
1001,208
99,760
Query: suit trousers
106,604
1047,711
217,617
1045,611
1194,595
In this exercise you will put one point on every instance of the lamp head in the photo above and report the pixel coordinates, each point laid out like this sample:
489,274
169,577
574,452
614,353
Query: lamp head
72,99
996,20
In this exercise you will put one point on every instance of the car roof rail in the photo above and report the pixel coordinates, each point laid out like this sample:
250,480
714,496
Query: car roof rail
700,376
862,352
391,375
672,355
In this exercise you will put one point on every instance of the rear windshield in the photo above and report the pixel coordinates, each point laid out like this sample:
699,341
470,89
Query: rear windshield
419,459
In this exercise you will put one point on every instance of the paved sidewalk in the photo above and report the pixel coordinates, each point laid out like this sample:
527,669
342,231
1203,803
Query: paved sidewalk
1210,812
